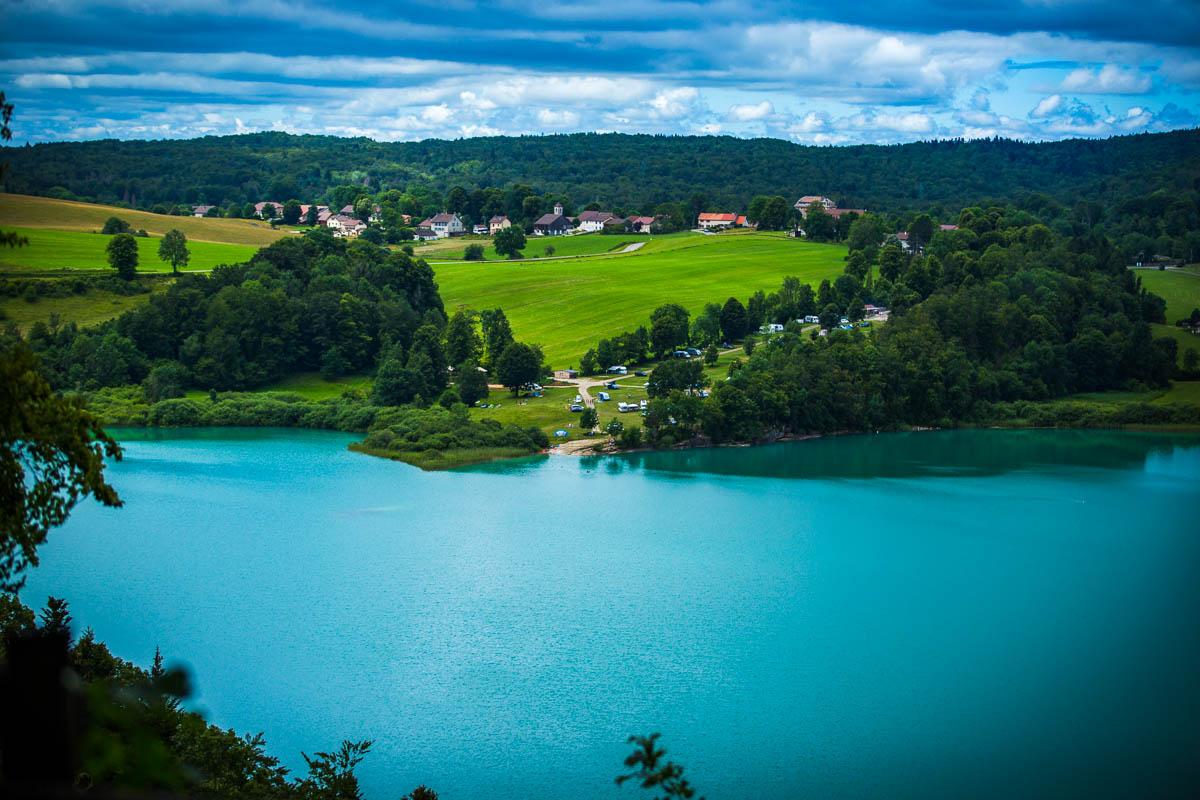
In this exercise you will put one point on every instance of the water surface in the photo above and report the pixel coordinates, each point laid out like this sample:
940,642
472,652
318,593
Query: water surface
976,613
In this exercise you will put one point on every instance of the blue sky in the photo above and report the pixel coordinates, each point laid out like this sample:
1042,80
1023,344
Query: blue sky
815,73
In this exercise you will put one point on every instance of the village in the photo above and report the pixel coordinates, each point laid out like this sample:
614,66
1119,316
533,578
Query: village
352,220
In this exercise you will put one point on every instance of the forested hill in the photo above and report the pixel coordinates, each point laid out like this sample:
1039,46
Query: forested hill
622,171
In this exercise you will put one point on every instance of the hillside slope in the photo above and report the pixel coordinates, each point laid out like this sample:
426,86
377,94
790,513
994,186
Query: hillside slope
617,169
24,211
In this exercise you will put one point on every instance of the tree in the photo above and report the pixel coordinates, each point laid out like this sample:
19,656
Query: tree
549,251
52,455
652,771
517,366
668,328
920,231
590,363
711,355
396,385
123,255
497,334
312,216
472,383
291,212
174,250
364,207
589,419
818,224
509,241
115,225
426,356
462,339
474,252
676,374
269,211
734,320
421,793
748,345
891,262
829,317
865,236
771,213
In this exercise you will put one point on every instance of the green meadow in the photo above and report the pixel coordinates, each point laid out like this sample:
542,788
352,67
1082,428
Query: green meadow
1180,288
52,250
563,246
567,306
24,211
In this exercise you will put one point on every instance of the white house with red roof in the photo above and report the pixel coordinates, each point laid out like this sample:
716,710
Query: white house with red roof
592,221
444,225
716,220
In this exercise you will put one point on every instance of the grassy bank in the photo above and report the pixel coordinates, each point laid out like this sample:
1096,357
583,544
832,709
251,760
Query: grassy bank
24,211
54,250
567,306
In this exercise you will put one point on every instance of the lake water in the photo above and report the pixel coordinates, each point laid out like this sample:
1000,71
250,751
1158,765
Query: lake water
956,614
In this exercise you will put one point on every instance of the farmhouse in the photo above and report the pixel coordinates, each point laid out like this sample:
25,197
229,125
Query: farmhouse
640,224
553,224
345,227
947,227
323,215
717,221
201,211
444,225
565,374
831,208
497,224
905,241
424,234
592,221
277,208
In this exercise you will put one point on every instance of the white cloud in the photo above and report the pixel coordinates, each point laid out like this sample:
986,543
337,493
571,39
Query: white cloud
1047,106
557,119
1109,79
751,112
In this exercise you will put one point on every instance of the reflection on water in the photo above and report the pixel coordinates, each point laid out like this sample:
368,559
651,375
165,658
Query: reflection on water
911,455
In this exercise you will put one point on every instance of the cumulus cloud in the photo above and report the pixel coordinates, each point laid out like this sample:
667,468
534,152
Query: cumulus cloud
749,112
1109,79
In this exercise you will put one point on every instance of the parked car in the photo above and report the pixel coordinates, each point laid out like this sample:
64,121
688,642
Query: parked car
681,354
641,373
611,385
812,318
577,406
618,370
693,352
578,398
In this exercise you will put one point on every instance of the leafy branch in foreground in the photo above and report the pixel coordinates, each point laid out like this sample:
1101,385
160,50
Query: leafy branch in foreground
652,771
52,455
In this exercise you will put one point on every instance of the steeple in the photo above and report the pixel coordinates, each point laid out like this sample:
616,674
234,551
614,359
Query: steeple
558,209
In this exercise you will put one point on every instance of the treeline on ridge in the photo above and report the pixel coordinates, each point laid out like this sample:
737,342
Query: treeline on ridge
626,171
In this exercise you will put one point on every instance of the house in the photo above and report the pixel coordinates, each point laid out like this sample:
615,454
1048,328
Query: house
345,227
741,222
424,234
592,221
202,211
716,221
947,227
640,224
565,374
278,208
323,215
445,225
498,223
803,203
905,241
831,208
480,229
553,224
615,224
347,209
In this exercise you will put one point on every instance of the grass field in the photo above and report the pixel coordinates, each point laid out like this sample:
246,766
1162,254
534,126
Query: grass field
1183,338
92,308
567,306
1179,392
585,244
1180,288
51,250
24,211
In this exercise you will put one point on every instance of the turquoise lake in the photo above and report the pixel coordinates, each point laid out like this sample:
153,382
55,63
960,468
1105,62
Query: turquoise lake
954,614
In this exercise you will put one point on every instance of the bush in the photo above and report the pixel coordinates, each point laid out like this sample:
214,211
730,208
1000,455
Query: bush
175,413
474,252
114,225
